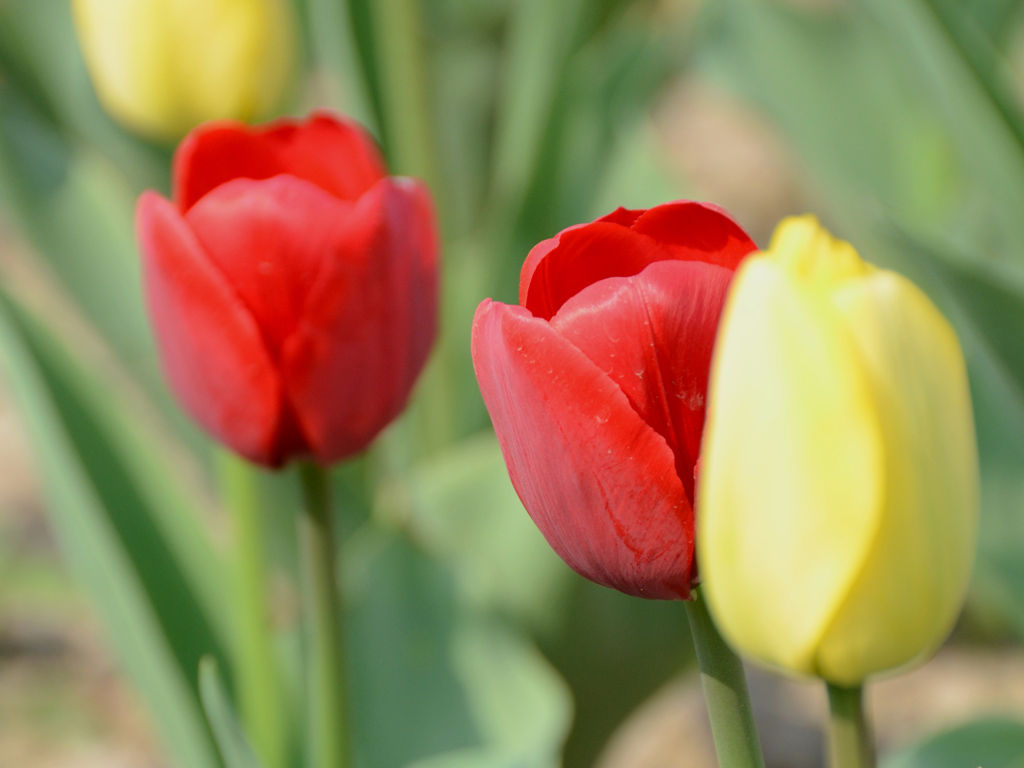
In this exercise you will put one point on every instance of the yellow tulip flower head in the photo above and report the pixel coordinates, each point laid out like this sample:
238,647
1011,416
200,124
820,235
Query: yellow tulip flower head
161,67
838,494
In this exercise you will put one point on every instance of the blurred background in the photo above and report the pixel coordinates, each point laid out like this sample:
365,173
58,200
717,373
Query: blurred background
898,122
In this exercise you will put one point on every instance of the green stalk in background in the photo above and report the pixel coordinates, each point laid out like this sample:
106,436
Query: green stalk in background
261,701
725,692
321,603
849,737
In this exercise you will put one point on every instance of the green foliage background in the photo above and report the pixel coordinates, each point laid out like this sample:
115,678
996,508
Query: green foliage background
470,643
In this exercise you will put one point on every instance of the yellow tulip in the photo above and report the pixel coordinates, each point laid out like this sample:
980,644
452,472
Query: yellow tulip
837,507
161,67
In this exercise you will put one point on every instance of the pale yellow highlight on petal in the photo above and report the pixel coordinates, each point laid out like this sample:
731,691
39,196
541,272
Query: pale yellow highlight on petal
904,602
161,67
791,478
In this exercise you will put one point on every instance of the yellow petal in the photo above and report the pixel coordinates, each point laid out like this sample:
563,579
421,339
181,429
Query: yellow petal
791,480
906,598
163,66
809,253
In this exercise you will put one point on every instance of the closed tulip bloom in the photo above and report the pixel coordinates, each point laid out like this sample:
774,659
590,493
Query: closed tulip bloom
839,489
161,67
292,286
596,382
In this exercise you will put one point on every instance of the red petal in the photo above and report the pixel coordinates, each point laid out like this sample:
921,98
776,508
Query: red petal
697,232
271,239
560,268
598,482
335,154
653,334
210,348
369,324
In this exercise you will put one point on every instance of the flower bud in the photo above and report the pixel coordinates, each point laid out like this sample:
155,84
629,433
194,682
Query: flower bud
161,67
292,286
838,495
596,386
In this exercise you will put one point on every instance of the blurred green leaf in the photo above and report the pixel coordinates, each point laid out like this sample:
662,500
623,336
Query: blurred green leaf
520,705
985,136
429,679
995,18
991,743
832,86
77,210
99,559
39,56
407,703
147,505
234,747
464,511
540,41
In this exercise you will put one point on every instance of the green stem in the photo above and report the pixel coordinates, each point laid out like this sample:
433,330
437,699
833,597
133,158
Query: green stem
259,689
321,601
849,737
725,692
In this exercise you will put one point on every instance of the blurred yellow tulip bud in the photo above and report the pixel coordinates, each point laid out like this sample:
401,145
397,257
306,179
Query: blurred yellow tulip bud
161,67
838,493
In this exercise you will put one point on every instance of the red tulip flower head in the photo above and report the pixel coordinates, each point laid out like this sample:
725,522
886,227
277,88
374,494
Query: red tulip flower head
596,386
292,286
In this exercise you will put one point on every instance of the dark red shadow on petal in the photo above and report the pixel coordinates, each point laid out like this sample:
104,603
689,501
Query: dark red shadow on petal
369,324
333,153
653,335
597,480
560,268
210,347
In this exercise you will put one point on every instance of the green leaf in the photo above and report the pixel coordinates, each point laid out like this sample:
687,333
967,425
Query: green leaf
993,299
39,56
520,704
432,680
986,139
97,556
152,510
990,743
464,511
76,208
234,747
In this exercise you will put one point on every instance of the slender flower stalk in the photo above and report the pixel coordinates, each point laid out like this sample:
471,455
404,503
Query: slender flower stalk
325,690
259,688
725,692
849,734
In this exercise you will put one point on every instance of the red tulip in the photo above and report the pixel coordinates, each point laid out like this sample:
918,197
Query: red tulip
292,286
596,386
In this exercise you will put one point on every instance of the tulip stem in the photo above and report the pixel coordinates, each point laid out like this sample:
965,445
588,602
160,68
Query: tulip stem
849,736
725,692
259,689
321,600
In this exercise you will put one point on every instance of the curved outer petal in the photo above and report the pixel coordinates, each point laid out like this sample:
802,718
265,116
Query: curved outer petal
210,347
368,324
599,483
271,239
792,474
333,153
558,269
164,66
653,334
910,588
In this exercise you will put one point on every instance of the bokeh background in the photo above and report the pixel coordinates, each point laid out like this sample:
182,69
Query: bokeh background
898,122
